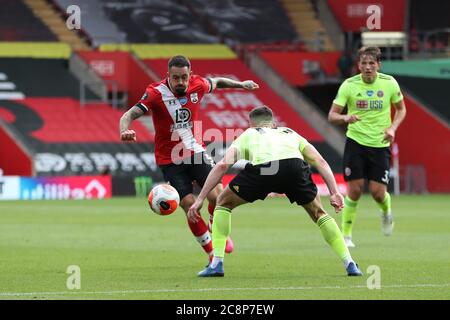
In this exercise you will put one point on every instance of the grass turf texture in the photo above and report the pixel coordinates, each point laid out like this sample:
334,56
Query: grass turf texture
125,251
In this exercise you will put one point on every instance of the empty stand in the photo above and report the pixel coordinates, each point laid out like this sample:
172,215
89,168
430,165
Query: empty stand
432,92
429,26
304,19
246,21
121,69
303,68
18,23
145,21
61,120
196,21
429,15
95,23
66,139
321,95
56,22
63,137
41,77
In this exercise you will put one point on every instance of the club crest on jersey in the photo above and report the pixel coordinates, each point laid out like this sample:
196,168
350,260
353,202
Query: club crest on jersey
182,115
183,100
194,97
380,93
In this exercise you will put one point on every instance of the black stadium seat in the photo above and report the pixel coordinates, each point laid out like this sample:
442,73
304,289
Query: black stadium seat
18,23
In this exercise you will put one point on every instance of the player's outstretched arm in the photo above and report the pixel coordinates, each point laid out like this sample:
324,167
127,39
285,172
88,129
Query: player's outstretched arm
125,122
313,157
223,83
214,177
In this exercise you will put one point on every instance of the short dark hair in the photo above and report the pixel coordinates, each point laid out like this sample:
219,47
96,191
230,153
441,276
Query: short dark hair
261,114
179,61
375,52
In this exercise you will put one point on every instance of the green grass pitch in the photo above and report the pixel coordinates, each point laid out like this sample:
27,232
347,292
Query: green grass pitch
126,252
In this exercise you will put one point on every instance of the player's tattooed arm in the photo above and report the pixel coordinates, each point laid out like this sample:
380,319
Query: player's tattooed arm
223,83
125,122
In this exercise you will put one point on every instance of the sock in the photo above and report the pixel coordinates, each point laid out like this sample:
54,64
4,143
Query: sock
385,206
332,235
211,216
201,233
221,230
215,261
348,216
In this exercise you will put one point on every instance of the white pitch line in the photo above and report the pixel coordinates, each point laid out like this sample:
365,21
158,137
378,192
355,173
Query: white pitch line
10,294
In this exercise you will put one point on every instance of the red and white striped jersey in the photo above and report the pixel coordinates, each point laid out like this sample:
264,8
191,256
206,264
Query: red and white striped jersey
177,134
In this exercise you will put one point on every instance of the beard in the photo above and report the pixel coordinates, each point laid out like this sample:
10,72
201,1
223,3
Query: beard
180,90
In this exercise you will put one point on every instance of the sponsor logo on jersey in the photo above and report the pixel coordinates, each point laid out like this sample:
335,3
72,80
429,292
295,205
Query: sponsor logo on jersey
145,96
172,102
194,97
359,94
183,100
181,125
370,93
362,104
376,105
380,93
182,115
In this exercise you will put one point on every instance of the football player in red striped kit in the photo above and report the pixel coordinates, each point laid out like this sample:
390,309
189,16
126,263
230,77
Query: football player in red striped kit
174,103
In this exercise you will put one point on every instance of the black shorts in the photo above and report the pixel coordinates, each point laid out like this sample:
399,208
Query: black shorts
181,176
361,162
293,178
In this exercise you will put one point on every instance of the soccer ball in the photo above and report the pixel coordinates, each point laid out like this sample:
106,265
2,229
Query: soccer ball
163,199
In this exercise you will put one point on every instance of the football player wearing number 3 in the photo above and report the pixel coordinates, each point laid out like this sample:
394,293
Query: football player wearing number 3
368,97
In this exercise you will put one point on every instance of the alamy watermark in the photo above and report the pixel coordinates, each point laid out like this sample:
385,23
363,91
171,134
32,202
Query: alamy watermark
374,280
188,135
74,19
74,280
373,22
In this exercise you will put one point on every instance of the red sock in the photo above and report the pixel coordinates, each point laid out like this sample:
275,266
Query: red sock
211,216
201,233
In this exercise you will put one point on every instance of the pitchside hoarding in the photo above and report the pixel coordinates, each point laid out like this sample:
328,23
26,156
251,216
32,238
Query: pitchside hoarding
55,188
9,188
